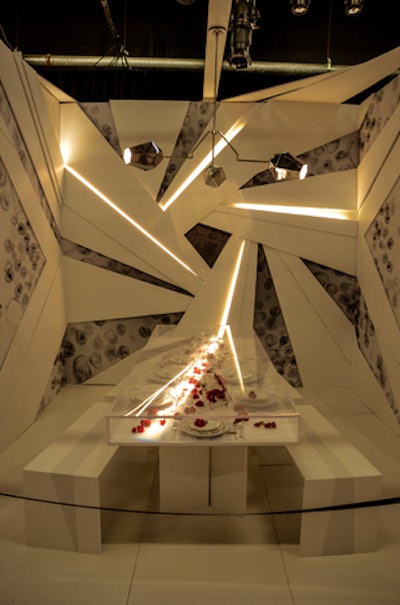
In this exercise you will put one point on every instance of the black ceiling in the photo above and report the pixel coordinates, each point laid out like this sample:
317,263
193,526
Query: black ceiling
167,29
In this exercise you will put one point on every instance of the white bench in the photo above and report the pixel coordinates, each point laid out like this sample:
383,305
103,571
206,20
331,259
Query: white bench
78,470
334,473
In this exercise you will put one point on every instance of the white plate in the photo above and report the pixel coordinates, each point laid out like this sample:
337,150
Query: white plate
213,428
262,399
162,375
179,359
246,377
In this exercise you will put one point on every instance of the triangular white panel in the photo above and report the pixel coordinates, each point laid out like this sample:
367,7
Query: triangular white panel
228,294
93,293
321,361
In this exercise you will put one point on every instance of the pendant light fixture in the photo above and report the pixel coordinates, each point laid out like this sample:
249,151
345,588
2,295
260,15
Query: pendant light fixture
214,175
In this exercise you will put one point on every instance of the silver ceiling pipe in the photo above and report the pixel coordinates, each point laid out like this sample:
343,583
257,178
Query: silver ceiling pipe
87,62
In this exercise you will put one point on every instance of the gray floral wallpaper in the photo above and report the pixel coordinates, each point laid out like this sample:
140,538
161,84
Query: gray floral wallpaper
269,324
345,291
382,106
91,347
22,261
101,116
383,239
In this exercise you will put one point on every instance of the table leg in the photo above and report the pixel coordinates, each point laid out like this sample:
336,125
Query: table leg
228,478
184,478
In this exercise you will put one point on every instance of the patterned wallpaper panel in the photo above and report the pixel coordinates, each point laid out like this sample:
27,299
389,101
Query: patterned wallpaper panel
21,258
335,156
91,347
102,117
383,239
269,324
382,106
208,242
56,381
345,291
12,126
87,255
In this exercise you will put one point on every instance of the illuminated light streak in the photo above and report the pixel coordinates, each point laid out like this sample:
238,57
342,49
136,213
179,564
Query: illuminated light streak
220,146
235,358
141,407
231,291
125,216
332,213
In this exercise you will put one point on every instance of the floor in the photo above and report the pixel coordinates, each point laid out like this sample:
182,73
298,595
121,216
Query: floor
151,559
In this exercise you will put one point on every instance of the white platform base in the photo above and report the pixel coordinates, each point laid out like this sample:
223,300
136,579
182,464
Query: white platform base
192,479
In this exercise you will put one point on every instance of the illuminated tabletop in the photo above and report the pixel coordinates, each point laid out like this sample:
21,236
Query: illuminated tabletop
203,398
214,387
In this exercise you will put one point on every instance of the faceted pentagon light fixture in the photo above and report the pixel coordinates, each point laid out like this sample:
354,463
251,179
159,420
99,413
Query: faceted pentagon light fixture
214,176
287,166
145,156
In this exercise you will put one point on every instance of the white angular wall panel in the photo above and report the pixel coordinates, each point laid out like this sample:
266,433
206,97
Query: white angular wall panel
336,191
45,146
30,361
95,160
211,302
279,125
93,293
345,84
320,360
339,327
138,122
94,211
22,95
328,242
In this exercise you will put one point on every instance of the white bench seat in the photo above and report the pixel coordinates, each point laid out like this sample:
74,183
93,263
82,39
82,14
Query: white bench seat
334,473
79,470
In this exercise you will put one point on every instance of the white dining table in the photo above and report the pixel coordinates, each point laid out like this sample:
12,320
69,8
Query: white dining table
203,410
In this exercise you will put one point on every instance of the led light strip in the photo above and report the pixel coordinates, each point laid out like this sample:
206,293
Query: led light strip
125,216
220,146
343,215
141,407
229,298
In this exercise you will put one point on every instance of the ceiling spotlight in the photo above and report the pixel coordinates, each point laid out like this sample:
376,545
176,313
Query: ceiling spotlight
286,166
145,156
352,8
300,7
243,20
214,176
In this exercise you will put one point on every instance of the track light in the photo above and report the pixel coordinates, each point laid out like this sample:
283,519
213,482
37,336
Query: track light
145,156
286,166
300,7
243,20
352,8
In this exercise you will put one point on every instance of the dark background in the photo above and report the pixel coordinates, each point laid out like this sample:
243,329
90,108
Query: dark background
167,29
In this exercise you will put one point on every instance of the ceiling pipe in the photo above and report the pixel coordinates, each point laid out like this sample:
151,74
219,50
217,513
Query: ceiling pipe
95,62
